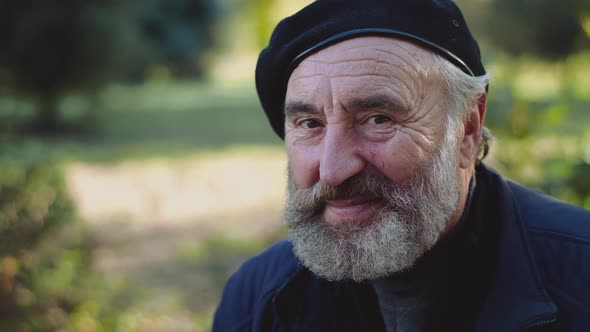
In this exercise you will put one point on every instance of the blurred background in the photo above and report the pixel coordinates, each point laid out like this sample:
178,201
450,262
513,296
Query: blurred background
137,170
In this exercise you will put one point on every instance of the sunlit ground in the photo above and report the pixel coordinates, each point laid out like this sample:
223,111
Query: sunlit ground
175,228
168,192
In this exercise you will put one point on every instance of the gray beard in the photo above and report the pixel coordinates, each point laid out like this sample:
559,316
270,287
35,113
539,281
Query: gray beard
415,215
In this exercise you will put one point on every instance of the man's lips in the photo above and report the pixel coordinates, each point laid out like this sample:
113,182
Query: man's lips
357,210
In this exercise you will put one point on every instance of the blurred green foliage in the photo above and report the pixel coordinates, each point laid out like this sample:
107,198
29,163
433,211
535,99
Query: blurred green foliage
556,165
545,29
43,254
47,282
538,111
32,202
52,48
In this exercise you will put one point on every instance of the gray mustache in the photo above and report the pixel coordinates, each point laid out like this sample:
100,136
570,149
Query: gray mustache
360,185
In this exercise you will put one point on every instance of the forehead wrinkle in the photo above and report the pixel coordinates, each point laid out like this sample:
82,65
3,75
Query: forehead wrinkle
400,64
368,75
409,48
378,100
394,85
400,98
375,42
423,60
424,63
384,45
377,61
303,76
399,69
298,95
367,53
395,61
299,106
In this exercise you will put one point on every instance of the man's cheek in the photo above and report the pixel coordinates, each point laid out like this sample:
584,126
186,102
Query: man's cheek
302,168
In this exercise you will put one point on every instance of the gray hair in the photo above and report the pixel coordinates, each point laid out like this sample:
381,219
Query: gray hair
463,92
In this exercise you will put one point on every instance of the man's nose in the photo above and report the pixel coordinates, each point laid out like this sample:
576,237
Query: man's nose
341,158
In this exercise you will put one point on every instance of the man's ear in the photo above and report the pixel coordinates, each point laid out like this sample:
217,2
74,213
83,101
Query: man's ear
472,133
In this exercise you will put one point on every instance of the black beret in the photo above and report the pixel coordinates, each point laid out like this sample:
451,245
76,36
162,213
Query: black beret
434,24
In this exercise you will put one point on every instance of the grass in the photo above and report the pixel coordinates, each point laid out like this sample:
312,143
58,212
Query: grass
156,120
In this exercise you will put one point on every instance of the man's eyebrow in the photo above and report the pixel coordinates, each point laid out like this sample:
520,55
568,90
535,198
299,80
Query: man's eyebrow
377,101
294,107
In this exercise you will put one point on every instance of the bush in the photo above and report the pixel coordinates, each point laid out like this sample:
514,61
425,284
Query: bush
44,253
556,165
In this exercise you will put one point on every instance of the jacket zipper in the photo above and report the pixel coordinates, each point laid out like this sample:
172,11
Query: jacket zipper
538,324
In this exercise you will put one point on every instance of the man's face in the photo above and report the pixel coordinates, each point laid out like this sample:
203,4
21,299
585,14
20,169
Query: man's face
372,168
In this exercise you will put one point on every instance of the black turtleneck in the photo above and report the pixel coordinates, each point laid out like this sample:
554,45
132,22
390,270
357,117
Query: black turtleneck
425,297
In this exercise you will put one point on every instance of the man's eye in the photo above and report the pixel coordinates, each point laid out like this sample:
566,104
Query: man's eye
377,119
309,123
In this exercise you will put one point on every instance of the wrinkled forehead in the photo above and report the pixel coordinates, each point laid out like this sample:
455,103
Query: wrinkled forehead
372,58
377,47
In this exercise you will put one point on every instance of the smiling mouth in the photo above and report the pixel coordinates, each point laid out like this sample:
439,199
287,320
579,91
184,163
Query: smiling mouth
356,210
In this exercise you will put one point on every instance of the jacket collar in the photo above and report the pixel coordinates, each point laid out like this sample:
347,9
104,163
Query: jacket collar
516,298
306,302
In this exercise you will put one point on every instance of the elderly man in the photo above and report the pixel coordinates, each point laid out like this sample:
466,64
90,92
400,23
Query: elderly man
394,223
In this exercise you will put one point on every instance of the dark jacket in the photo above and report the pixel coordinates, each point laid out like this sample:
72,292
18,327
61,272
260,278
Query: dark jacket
521,263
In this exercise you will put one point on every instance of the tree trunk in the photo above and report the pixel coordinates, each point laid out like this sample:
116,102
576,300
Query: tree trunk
47,119
92,117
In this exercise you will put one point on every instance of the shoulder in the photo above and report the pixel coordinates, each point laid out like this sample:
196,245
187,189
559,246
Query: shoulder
558,231
538,212
559,235
250,290
543,213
